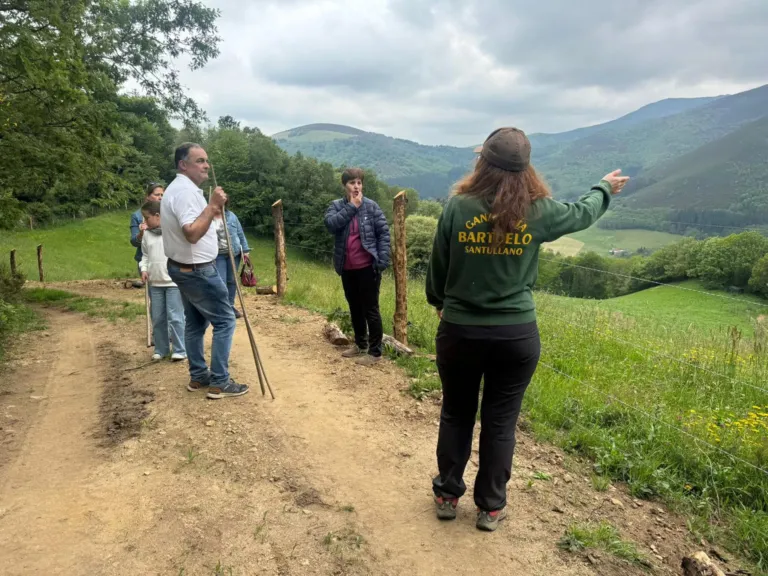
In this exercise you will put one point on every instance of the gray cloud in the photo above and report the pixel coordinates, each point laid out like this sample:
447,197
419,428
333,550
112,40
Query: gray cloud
448,71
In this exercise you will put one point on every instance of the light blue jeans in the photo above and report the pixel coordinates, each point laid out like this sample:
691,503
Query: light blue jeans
225,271
167,319
206,301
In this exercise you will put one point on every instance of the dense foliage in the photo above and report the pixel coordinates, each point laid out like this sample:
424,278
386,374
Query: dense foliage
71,140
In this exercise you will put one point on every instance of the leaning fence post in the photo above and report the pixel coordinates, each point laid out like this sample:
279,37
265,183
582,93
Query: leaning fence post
280,267
401,270
40,262
13,262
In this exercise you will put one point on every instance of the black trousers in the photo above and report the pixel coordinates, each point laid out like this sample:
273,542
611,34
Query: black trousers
361,288
505,358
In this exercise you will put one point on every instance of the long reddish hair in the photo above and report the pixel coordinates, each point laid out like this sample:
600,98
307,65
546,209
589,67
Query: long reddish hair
510,194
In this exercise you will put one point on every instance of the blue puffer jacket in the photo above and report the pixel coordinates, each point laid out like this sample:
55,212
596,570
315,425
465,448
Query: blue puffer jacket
374,231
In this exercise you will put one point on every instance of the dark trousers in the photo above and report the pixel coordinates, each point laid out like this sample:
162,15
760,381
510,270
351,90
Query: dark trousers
505,358
361,288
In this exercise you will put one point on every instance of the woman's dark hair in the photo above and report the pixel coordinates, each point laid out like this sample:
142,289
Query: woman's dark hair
152,208
151,187
352,174
510,194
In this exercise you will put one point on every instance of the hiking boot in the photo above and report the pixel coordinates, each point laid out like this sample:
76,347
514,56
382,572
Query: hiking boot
354,352
446,507
176,357
195,386
228,390
489,521
368,360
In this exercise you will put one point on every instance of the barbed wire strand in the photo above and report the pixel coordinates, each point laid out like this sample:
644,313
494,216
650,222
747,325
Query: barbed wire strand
652,417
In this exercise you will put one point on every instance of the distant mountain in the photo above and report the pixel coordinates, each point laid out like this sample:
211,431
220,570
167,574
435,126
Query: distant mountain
399,162
573,166
702,155
730,173
660,109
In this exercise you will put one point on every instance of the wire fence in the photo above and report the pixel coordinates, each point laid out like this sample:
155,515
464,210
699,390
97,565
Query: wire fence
419,275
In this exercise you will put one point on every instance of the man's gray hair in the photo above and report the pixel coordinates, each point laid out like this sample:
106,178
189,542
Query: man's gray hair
182,152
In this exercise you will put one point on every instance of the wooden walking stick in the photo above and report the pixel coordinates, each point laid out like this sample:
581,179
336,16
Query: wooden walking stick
256,357
146,305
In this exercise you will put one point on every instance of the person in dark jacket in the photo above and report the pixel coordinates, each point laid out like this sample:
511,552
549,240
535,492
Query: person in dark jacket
361,252
154,194
480,278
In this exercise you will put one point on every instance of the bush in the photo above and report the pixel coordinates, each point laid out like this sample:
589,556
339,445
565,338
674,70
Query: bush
13,315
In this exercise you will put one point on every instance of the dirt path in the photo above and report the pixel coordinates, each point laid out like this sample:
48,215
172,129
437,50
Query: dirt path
115,471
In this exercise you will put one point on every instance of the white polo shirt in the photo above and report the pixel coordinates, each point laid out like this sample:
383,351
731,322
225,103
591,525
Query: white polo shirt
182,203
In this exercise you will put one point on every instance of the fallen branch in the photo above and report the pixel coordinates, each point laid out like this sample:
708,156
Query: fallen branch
335,335
397,346
699,564
266,290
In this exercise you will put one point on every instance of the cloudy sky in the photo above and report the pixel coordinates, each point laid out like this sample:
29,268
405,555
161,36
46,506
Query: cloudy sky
449,71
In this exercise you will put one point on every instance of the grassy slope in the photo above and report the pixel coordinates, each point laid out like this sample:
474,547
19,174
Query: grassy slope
93,248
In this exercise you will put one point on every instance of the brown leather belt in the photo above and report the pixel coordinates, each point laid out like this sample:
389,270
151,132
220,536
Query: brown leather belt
192,266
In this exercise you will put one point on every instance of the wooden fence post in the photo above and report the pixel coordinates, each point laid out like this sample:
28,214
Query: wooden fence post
280,266
40,262
401,270
13,262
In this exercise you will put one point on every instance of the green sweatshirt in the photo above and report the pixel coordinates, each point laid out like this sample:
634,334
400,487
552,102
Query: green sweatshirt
475,283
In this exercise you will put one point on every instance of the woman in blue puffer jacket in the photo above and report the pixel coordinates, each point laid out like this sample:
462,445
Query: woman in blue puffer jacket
240,249
361,252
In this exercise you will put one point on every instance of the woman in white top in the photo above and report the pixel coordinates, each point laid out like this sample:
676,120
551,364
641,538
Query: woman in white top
165,298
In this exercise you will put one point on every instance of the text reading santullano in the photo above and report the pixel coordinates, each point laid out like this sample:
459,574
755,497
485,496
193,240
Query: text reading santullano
485,242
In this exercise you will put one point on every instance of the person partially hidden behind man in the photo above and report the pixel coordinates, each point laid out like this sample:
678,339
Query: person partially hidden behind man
191,246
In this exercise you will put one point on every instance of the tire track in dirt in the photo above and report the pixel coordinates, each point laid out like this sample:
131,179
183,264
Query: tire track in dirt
44,491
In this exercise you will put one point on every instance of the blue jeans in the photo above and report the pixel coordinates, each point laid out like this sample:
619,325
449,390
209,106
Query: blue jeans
167,319
206,301
225,271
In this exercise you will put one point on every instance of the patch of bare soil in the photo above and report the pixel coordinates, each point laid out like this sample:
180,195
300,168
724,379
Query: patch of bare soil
333,477
124,401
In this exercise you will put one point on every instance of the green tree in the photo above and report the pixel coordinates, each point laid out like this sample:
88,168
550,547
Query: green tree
430,208
420,234
758,282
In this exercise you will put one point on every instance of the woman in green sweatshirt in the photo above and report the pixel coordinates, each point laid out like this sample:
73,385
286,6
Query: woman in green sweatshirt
480,278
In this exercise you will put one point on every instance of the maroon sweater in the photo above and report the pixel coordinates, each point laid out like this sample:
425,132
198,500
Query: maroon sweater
357,257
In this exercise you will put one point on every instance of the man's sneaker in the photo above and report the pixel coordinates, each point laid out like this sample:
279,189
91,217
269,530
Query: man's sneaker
368,360
446,507
175,357
489,521
195,386
354,352
156,357
228,390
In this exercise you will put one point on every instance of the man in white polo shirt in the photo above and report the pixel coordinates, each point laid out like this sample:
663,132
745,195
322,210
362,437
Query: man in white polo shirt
191,246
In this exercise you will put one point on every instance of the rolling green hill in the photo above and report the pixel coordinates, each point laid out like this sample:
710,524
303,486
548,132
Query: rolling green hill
399,162
571,167
701,160
730,173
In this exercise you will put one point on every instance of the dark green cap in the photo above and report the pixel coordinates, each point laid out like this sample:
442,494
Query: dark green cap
508,149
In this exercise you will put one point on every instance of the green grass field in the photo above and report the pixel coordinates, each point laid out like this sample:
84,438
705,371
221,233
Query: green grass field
654,387
81,250
601,241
